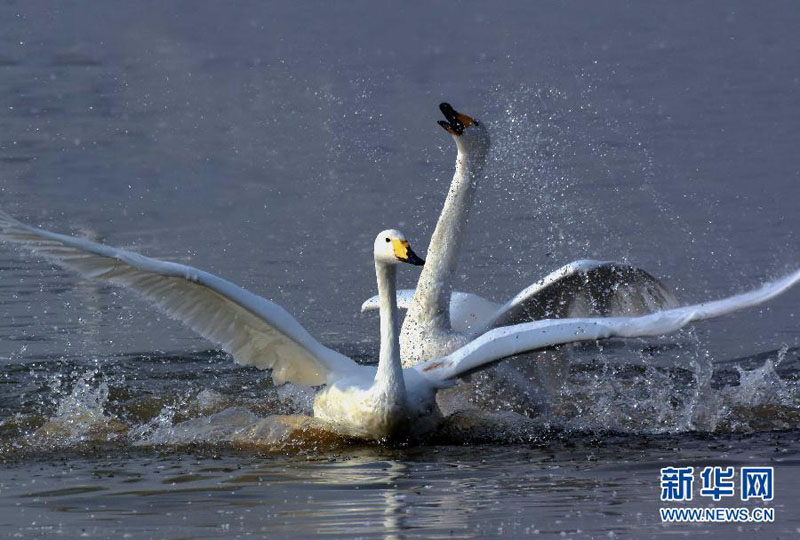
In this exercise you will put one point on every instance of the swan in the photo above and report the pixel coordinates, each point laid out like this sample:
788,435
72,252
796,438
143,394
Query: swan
439,320
368,402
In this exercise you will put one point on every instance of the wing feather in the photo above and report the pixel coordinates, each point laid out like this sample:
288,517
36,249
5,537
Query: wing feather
510,340
404,297
254,330
586,288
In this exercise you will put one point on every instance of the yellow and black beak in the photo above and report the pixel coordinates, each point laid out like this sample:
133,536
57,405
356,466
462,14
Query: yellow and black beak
404,253
456,122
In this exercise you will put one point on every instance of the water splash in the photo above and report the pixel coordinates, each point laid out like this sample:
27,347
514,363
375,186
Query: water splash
635,388
645,399
80,414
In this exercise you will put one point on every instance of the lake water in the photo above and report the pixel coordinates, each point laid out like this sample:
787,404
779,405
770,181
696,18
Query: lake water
269,143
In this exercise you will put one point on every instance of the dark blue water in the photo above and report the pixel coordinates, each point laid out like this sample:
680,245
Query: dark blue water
268,143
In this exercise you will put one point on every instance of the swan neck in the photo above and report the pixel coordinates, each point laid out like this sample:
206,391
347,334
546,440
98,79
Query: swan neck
389,377
431,303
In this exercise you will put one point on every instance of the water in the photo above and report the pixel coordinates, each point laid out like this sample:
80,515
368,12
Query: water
269,143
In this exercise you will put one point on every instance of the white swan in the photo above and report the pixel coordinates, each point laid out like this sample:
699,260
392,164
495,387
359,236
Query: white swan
370,402
440,320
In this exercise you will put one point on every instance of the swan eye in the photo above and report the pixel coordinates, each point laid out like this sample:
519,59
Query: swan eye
387,240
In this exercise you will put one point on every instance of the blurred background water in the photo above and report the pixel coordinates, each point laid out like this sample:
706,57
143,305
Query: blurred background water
269,142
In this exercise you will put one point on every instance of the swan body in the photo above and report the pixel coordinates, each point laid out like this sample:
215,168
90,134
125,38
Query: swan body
379,402
358,407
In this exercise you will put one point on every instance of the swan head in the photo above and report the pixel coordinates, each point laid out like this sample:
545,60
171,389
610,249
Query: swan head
391,247
471,136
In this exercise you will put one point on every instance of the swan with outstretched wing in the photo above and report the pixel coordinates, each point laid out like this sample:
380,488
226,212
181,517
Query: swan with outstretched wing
439,320
370,402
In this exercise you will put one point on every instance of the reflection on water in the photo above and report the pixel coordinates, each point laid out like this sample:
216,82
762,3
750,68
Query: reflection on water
581,487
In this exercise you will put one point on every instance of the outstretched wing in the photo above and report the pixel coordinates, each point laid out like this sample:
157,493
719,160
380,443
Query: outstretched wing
466,310
254,330
586,288
510,340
